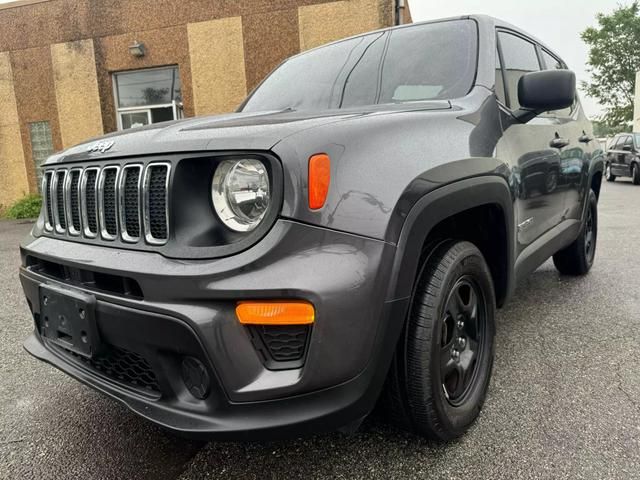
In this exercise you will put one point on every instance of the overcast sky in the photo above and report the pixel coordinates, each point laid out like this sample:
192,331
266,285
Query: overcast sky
557,23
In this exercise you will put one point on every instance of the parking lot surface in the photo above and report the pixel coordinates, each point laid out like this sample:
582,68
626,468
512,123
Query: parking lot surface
564,401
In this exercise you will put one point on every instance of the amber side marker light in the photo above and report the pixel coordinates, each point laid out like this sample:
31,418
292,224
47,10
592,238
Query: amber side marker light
275,313
319,179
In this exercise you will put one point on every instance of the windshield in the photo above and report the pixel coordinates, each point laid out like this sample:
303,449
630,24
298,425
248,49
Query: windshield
423,62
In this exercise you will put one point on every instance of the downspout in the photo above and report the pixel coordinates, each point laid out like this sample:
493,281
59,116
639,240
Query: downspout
399,11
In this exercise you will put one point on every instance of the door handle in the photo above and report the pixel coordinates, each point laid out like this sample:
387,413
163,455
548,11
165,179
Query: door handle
584,138
558,142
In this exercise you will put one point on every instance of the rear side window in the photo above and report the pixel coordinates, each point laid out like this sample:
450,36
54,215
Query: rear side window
519,57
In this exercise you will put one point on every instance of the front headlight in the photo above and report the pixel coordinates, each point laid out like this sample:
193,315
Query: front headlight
240,193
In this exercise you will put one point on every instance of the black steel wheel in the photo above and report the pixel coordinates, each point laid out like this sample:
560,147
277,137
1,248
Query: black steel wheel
440,375
461,339
578,258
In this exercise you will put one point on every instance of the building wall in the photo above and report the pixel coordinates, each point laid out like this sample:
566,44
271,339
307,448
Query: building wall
57,58
74,70
13,175
218,69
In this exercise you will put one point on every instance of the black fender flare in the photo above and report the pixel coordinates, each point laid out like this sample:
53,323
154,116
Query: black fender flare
438,205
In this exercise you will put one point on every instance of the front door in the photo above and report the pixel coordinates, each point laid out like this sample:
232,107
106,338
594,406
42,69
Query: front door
575,157
533,149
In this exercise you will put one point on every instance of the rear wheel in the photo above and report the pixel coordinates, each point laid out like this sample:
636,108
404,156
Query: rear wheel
440,375
635,174
608,175
578,257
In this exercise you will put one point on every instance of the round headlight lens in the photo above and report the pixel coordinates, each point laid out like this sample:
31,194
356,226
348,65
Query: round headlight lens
240,193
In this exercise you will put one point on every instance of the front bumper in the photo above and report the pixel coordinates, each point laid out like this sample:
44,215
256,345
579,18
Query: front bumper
186,308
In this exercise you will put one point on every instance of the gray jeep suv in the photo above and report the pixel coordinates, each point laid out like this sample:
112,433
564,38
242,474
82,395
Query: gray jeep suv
345,237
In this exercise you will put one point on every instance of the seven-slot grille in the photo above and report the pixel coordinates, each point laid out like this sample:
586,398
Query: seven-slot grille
129,202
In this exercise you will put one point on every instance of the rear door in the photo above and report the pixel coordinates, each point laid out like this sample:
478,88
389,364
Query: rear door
535,162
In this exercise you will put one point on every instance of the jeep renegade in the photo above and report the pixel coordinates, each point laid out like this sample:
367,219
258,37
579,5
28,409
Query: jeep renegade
345,237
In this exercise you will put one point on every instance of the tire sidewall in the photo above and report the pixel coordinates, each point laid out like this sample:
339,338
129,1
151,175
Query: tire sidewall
593,205
458,418
607,173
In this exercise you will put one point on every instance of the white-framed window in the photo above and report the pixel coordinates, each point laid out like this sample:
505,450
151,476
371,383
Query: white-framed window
41,146
147,96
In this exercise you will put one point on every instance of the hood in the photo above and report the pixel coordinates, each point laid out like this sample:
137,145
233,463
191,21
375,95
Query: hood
235,131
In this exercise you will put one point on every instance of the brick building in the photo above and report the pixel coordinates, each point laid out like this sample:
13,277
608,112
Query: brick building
74,69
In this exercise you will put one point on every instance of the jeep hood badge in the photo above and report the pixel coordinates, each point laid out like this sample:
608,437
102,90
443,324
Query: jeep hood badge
100,147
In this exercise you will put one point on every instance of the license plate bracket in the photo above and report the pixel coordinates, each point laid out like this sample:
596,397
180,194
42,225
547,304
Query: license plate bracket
68,319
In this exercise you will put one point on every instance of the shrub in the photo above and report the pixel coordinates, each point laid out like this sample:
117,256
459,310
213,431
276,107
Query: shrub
26,207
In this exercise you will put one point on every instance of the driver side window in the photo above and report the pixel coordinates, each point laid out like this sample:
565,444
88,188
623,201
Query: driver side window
519,57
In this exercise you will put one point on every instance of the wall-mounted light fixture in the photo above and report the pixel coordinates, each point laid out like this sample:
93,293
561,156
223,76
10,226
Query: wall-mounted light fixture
137,49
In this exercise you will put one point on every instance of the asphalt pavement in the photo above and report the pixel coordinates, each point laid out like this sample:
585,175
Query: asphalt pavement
564,400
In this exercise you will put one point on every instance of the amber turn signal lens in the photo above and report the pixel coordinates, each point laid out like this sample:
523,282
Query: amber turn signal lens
319,178
275,313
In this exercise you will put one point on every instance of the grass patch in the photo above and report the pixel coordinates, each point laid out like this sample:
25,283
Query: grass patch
26,207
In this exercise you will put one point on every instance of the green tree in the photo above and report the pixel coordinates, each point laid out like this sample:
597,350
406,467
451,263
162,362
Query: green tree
614,59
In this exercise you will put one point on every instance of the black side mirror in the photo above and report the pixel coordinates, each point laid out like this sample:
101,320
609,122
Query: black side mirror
627,148
539,92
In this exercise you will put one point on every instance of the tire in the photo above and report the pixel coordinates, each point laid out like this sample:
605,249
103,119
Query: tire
578,258
427,390
608,175
635,174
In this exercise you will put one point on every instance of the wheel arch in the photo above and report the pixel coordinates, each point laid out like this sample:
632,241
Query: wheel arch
596,174
460,200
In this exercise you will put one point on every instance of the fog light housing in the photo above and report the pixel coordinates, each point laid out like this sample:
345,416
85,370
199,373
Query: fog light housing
196,377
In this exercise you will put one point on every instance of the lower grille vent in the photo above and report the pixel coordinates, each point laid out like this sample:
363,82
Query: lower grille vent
282,346
123,366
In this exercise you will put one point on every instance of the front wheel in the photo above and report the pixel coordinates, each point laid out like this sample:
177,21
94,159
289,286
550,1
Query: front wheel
635,174
440,375
608,175
578,257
